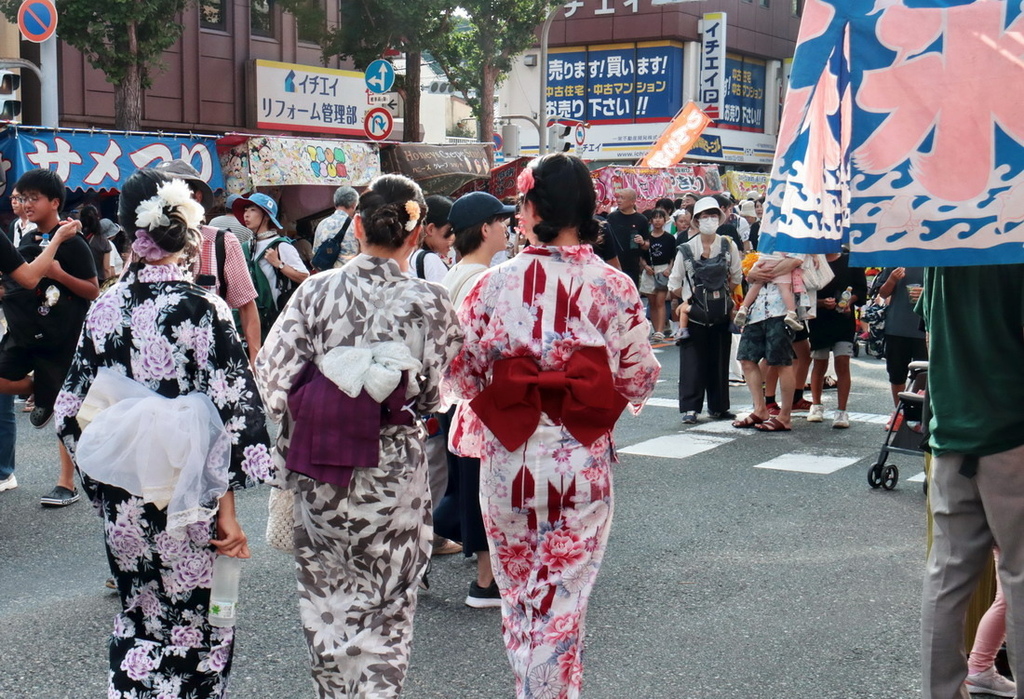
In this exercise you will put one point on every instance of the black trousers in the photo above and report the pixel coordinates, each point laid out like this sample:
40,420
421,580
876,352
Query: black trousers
704,368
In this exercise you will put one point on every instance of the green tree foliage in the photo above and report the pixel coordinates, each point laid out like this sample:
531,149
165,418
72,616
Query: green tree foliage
476,54
122,38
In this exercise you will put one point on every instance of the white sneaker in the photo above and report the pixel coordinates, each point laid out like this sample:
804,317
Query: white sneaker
740,319
816,413
841,420
9,483
988,681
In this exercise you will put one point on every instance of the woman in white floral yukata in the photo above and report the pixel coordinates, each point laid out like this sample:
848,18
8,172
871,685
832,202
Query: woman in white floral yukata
351,364
173,426
556,346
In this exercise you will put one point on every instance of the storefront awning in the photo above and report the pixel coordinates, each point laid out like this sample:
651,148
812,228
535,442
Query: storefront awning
250,161
438,169
100,160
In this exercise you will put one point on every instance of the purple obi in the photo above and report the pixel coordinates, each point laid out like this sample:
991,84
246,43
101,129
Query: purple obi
333,433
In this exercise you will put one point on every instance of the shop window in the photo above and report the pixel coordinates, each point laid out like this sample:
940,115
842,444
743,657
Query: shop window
798,8
310,20
261,17
213,14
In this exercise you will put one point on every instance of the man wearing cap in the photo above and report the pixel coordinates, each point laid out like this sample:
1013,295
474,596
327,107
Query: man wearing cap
346,199
272,255
235,285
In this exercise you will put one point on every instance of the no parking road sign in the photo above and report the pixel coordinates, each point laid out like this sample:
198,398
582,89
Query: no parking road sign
378,123
37,20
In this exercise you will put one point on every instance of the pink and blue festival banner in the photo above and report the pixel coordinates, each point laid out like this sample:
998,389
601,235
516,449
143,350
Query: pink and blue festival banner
902,134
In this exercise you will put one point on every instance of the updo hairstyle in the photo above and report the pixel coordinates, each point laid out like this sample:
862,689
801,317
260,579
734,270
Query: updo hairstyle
563,196
383,211
142,185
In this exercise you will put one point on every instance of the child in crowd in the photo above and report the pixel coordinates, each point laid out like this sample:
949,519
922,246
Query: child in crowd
656,263
790,284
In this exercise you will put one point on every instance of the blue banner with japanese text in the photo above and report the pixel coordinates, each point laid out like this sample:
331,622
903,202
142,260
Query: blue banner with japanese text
101,160
744,94
616,84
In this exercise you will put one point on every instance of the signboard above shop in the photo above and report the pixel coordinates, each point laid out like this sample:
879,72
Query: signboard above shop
616,83
319,100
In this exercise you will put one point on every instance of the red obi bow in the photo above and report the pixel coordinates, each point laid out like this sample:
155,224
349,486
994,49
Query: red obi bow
582,397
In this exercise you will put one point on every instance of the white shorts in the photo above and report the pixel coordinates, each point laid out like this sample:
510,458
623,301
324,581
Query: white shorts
649,284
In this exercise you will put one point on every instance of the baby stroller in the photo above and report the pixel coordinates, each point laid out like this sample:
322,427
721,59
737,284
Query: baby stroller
908,429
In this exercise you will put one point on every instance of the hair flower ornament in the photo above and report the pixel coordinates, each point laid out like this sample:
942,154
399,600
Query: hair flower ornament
525,181
412,209
174,194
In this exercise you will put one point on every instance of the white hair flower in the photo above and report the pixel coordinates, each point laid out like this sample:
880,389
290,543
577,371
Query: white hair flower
174,194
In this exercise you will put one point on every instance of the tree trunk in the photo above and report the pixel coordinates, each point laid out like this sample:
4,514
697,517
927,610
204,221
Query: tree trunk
128,92
486,127
412,96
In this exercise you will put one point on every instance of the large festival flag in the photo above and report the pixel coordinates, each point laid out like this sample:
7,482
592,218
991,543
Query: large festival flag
902,134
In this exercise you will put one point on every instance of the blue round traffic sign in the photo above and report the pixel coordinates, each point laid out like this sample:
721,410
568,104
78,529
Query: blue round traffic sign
37,20
380,76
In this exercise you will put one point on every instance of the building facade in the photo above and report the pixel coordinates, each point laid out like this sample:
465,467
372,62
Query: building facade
622,69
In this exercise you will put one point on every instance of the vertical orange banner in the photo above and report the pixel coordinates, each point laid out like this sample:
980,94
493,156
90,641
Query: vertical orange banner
677,140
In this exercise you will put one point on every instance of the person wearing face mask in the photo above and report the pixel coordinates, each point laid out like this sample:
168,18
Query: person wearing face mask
706,269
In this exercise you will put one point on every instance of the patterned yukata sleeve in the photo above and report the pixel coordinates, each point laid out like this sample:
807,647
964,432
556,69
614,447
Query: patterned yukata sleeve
77,383
466,375
638,369
443,338
234,393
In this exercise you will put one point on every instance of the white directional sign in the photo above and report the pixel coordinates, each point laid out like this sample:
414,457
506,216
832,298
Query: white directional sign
387,100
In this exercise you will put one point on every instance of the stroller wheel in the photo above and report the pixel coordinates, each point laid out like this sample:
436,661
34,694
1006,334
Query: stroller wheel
875,475
890,477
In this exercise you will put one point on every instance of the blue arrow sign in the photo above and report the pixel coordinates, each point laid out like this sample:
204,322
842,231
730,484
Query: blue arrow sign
380,76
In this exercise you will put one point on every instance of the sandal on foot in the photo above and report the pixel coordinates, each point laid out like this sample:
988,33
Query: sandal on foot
750,420
772,424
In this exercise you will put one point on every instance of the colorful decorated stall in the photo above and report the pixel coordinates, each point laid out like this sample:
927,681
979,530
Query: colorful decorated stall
740,184
301,173
652,184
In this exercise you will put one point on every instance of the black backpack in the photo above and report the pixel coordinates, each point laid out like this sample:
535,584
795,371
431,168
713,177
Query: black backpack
711,301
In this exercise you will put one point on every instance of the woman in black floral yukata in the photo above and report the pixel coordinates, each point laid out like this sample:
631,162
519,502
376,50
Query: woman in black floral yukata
173,425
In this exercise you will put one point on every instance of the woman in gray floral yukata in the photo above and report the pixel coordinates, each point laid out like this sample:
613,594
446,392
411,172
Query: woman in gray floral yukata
351,364
173,425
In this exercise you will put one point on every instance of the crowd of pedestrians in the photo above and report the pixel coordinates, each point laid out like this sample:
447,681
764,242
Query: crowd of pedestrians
441,377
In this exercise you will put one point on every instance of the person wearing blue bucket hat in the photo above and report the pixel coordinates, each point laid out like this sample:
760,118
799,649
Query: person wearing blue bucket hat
275,264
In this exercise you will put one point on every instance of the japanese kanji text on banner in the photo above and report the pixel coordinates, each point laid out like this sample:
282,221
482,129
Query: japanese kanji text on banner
678,138
309,98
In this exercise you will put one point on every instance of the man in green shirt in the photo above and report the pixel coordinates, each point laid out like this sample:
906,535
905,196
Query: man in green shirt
975,322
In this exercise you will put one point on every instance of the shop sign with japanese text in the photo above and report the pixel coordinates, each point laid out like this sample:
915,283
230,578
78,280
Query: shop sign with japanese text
616,84
308,98
744,94
712,65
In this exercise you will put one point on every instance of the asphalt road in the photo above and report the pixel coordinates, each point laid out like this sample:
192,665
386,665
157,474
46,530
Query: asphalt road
722,580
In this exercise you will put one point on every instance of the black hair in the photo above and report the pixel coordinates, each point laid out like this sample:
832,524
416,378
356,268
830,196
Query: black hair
665,204
469,239
438,208
46,182
383,213
563,196
724,201
90,218
174,236
139,187
660,212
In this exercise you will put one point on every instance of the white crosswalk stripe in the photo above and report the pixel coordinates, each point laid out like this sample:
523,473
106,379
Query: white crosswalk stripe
807,463
675,446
